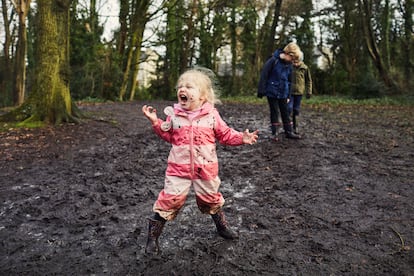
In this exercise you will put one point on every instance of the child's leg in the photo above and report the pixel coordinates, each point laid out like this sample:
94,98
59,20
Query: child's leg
296,109
210,201
274,115
170,200
290,103
287,124
222,226
155,226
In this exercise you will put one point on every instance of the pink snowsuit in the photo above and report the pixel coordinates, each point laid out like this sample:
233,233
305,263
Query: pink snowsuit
193,159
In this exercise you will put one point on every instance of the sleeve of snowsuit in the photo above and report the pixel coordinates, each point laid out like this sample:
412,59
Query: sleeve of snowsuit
226,135
165,135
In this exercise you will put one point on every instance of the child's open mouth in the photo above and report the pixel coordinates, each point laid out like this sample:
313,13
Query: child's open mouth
183,98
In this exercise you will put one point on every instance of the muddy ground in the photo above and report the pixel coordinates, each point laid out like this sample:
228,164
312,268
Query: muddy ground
74,198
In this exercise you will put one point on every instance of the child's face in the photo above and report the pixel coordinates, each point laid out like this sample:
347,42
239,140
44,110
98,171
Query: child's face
296,63
189,94
289,57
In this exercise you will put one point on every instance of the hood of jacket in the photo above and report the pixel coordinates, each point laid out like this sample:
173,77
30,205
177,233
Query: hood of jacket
277,53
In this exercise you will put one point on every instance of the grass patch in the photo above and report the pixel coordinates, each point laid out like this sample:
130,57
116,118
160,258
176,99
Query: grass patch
332,101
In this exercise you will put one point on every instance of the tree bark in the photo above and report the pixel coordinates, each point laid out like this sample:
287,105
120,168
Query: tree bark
139,19
233,45
50,101
174,46
7,35
22,8
371,44
408,40
123,29
270,40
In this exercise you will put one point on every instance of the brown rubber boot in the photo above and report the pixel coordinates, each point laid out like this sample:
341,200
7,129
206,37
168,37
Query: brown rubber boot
223,228
155,226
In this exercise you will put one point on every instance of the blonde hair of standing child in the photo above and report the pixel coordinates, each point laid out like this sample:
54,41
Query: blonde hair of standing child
293,49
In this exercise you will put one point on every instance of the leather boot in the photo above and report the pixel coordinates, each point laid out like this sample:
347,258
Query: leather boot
292,135
289,133
222,226
155,226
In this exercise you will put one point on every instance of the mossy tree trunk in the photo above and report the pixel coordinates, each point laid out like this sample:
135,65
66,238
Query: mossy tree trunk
50,100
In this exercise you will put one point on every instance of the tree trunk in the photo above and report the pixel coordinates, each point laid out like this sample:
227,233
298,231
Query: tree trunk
366,7
350,34
123,29
22,8
174,46
5,86
135,68
270,39
408,41
124,85
386,23
50,100
233,45
139,19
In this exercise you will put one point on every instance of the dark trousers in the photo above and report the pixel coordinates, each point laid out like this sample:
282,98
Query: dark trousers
276,105
294,104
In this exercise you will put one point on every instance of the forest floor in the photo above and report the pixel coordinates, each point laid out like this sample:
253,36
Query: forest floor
74,198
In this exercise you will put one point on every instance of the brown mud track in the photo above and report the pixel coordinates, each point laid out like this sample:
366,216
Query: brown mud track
74,199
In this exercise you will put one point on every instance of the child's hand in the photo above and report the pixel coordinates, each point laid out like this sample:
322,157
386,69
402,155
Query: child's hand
150,113
250,137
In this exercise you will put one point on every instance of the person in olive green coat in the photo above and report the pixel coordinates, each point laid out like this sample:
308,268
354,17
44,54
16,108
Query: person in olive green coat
301,85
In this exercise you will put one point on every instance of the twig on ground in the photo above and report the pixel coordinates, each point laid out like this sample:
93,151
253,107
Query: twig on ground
402,246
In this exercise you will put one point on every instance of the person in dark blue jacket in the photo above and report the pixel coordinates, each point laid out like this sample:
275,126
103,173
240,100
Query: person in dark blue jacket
274,83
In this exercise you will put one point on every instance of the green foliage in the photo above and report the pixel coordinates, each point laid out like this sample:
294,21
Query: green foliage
368,87
31,124
157,90
94,70
331,82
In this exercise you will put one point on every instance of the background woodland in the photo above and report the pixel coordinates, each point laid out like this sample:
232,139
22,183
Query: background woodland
54,52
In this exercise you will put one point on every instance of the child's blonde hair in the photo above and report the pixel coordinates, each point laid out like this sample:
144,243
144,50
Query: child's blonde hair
206,82
293,49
